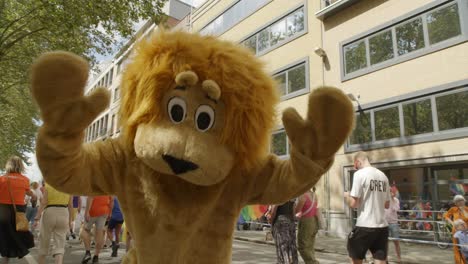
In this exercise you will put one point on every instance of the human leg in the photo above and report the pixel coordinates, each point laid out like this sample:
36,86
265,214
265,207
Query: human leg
357,245
307,230
99,234
59,233
86,238
379,244
45,235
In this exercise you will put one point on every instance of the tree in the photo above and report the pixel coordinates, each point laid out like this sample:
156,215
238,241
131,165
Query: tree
29,28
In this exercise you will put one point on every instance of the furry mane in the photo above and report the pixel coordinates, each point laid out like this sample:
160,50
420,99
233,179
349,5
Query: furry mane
248,92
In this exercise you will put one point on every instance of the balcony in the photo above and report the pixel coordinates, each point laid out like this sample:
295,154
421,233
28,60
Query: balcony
331,7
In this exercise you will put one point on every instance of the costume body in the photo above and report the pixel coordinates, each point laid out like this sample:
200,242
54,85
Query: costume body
187,163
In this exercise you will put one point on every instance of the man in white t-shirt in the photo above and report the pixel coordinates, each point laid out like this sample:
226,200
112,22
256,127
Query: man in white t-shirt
370,194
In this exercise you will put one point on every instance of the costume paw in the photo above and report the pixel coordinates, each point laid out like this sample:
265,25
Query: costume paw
58,80
329,121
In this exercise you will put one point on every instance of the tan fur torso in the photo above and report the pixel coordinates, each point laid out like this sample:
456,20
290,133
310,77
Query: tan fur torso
173,221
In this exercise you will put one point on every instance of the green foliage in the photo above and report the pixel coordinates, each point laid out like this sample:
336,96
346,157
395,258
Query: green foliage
29,28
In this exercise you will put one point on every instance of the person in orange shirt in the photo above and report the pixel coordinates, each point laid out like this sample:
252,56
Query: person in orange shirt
13,188
97,211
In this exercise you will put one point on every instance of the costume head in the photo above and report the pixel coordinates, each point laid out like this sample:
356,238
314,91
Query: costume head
195,107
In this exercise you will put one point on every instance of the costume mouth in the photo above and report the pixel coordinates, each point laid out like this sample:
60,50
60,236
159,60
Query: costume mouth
179,166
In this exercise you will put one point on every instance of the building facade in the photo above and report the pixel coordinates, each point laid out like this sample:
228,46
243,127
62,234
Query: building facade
404,63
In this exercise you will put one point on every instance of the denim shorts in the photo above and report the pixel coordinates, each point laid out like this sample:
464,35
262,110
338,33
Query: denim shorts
394,230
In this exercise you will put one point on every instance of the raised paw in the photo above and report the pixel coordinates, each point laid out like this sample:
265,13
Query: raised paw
329,121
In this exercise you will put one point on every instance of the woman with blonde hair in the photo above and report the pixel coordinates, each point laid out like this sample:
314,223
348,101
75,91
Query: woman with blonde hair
458,211
13,188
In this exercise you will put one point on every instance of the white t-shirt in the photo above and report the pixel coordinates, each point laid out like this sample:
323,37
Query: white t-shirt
391,214
38,194
372,187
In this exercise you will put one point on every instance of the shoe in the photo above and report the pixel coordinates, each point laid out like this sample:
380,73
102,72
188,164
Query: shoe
73,235
95,259
86,258
115,248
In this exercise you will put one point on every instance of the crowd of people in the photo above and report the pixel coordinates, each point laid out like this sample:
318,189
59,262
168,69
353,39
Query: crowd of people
54,216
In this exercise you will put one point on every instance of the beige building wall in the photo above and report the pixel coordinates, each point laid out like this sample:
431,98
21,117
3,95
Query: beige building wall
438,68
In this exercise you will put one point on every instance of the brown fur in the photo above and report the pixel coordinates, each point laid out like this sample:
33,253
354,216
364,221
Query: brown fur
183,217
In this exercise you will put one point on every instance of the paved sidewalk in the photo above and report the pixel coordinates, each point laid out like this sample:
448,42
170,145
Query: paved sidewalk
411,253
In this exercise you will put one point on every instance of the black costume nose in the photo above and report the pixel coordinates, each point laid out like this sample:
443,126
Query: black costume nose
179,166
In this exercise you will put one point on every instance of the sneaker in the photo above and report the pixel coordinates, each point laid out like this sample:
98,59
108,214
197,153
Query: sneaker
95,259
115,248
86,258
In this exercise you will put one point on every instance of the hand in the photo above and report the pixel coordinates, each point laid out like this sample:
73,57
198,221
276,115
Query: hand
87,217
58,81
329,121
346,194
36,223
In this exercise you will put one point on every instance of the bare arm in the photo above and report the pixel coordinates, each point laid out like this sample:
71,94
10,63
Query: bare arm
353,202
300,204
58,81
43,204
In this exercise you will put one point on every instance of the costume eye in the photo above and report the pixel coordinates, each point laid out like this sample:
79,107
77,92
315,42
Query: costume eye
177,109
204,117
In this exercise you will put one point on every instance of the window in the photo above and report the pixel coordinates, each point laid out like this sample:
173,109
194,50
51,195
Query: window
387,123
233,15
355,56
418,32
111,130
277,33
251,43
418,118
111,76
362,132
441,115
452,110
279,143
381,47
443,24
293,80
117,93
410,36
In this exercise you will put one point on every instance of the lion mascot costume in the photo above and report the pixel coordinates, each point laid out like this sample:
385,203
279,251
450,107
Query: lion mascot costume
197,114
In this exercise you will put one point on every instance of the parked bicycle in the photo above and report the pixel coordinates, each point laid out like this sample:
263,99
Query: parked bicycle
443,234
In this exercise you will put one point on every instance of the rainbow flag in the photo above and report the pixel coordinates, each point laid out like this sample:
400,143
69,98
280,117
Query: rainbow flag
456,188
253,212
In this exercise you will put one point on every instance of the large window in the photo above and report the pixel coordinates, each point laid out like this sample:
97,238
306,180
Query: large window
394,43
279,143
293,81
277,33
427,118
452,110
233,15
418,117
362,132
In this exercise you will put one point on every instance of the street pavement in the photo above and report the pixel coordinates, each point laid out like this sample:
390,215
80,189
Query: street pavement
250,247
244,252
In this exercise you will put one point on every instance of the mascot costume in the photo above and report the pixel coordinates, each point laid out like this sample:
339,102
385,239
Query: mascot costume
197,113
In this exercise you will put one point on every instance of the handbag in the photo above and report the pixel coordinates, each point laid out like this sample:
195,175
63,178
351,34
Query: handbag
21,221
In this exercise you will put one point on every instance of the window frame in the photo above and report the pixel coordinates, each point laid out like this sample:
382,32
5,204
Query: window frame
212,21
290,66
274,21
427,49
399,101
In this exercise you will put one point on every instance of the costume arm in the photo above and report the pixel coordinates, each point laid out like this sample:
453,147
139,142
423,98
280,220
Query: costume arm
58,81
314,142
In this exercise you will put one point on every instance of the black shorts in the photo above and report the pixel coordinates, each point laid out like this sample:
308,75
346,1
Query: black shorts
362,239
113,223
